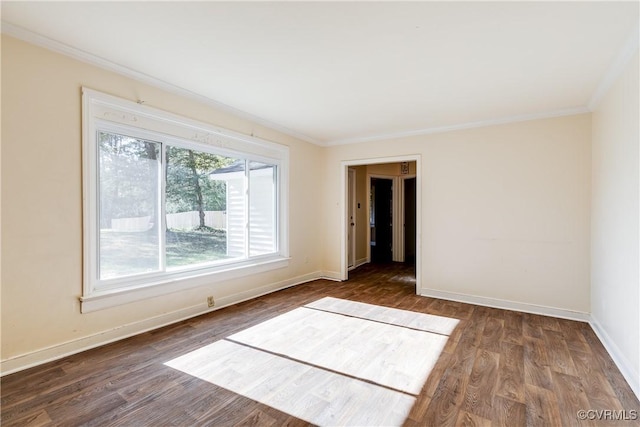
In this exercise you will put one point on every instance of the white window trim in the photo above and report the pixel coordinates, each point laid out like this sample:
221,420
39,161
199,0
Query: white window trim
102,111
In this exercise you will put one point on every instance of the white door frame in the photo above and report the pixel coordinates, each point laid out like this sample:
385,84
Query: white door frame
352,226
344,168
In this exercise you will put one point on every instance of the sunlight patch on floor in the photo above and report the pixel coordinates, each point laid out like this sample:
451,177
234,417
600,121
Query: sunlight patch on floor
393,316
361,365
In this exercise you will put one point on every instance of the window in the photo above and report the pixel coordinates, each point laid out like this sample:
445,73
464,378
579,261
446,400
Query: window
171,203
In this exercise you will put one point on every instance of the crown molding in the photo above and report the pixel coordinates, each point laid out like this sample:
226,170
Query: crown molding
616,68
613,72
89,58
463,126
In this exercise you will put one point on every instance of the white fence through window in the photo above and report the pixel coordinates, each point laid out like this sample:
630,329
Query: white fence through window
176,221
189,220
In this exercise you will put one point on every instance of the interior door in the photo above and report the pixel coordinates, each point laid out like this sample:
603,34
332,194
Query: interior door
381,229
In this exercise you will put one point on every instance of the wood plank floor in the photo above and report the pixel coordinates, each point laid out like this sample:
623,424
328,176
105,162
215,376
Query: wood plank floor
499,368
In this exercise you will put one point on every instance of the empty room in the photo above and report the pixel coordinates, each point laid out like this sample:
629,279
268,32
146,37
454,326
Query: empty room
320,213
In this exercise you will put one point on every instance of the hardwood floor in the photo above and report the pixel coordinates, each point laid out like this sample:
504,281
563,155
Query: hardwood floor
499,368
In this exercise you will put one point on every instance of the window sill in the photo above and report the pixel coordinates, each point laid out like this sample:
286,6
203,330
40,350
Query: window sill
107,298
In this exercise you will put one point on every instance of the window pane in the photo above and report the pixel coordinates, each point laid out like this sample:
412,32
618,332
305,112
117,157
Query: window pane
262,208
129,209
204,207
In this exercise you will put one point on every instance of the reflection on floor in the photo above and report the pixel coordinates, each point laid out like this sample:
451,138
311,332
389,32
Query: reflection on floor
331,362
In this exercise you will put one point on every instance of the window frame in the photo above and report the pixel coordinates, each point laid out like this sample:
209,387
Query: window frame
106,113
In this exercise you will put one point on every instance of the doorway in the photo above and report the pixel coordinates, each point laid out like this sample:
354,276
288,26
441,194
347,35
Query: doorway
393,174
381,220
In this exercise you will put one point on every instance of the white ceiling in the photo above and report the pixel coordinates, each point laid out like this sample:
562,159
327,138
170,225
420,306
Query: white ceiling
338,72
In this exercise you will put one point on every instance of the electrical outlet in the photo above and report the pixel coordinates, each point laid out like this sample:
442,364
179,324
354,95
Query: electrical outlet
210,301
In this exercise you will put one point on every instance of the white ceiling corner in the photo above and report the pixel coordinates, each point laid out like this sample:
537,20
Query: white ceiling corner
617,66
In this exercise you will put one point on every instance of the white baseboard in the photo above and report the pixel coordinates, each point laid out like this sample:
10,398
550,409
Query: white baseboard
25,361
358,263
621,361
632,377
332,275
507,305
267,289
361,261
58,351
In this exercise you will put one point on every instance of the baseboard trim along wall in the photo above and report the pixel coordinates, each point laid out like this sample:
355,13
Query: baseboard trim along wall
55,352
507,305
39,357
626,368
336,276
358,263
361,261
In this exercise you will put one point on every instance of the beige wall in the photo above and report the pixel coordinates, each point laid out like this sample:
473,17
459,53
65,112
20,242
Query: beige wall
505,210
42,209
390,169
615,276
